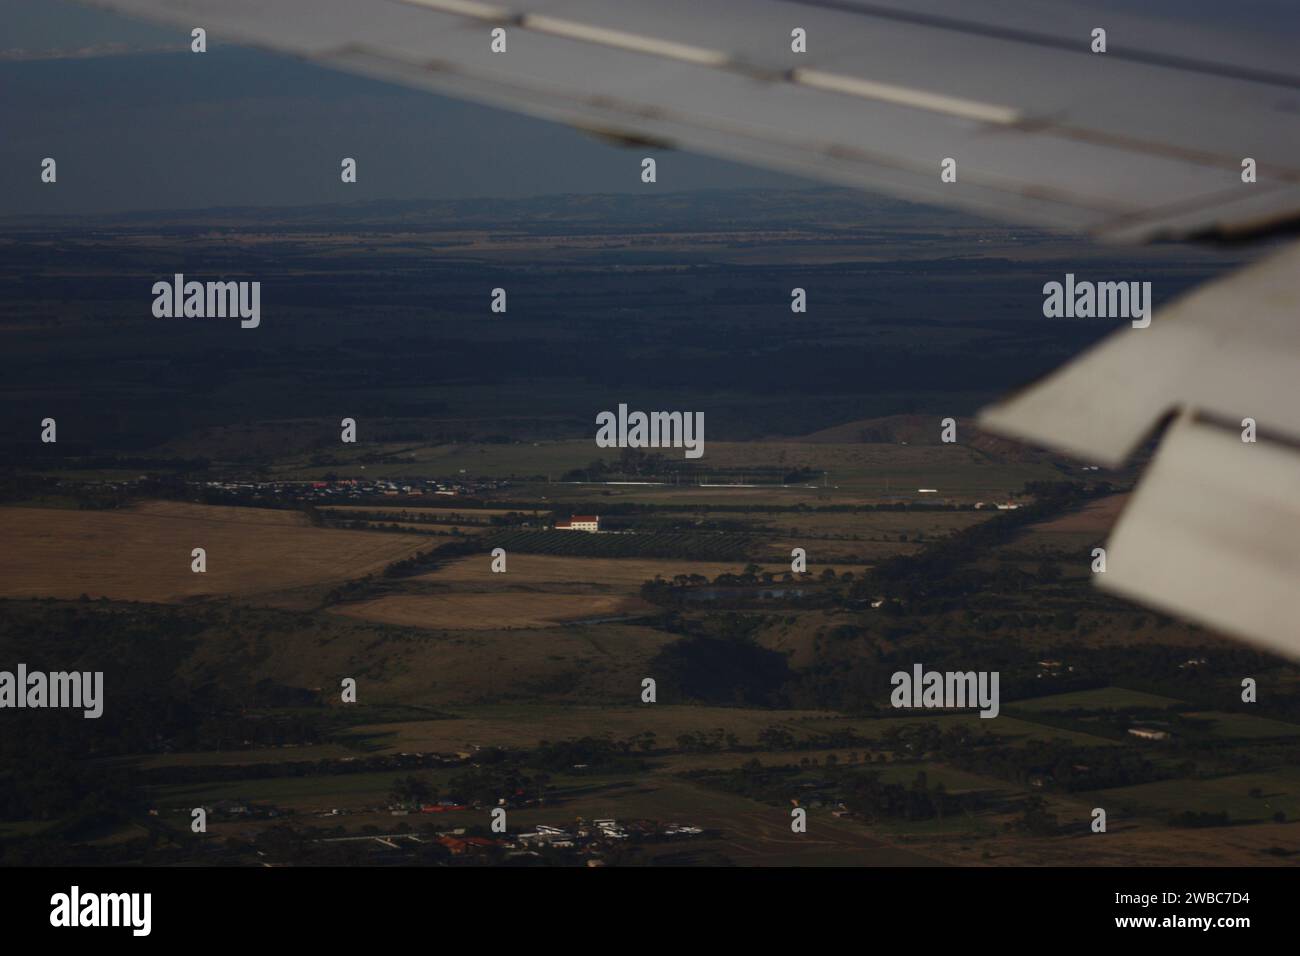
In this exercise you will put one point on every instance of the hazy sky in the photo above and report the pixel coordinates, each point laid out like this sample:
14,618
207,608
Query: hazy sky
134,126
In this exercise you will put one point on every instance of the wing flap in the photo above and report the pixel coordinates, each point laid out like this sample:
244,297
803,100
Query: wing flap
1211,532
1229,350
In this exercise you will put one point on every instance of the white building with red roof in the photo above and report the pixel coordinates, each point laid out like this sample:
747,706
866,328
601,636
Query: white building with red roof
579,523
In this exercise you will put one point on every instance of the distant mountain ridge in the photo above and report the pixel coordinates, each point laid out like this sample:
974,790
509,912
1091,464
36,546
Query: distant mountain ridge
712,209
916,430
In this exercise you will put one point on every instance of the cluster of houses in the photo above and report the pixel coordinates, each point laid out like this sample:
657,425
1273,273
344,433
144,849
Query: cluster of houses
230,810
584,833
587,840
602,830
352,489
1054,668
1149,733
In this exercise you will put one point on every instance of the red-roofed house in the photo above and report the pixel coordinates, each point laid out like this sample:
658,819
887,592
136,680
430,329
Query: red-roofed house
461,845
579,523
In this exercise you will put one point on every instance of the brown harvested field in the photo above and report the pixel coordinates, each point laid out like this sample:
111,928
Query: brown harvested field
449,513
887,524
185,511
537,591
1136,842
1078,530
1096,518
836,552
143,553
482,611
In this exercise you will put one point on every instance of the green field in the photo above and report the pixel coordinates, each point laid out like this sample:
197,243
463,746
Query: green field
315,792
1101,698
1246,726
873,470
1280,790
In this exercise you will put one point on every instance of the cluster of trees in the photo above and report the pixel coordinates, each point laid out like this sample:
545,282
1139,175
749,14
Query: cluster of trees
751,587
424,561
1061,765
719,662
708,741
53,787
1194,819
631,463
864,792
443,516
1035,819
861,789
687,545
488,784
593,752
200,773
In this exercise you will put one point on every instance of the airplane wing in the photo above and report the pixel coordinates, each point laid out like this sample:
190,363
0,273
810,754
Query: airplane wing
1150,139
1142,141
1213,530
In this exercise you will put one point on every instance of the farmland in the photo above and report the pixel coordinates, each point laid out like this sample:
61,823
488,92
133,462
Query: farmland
821,432
1077,532
144,553
1243,797
473,612
625,575
858,471
700,546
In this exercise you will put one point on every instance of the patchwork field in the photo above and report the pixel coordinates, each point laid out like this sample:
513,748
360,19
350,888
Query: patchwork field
487,611
886,525
871,470
1078,531
426,667
537,591
1246,726
1101,698
525,726
1244,797
622,574
451,514
143,553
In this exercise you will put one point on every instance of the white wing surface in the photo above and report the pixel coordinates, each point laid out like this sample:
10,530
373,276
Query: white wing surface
1144,140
